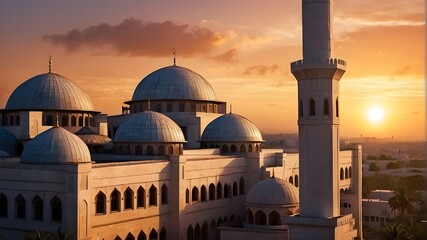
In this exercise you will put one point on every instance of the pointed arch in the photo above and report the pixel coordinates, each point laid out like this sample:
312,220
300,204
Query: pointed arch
274,218
296,181
129,198
346,173
197,232
37,208
165,193
56,209
205,231
117,238
115,201
20,206
260,218
235,189
233,148
241,186
211,192
312,107
203,194
226,191
130,237
187,196
64,121
100,200
149,150
163,235
153,197
140,197
161,150
242,148
195,194
142,236
153,234
326,107
341,173
3,205
219,191
249,216
291,179
190,233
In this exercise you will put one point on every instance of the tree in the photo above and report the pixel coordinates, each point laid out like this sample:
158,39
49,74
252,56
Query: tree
374,167
403,201
396,231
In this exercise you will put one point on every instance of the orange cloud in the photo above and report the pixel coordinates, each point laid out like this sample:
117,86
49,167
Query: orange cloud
135,38
261,70
228,56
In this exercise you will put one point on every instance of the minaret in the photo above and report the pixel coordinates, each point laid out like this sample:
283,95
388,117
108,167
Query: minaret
318,75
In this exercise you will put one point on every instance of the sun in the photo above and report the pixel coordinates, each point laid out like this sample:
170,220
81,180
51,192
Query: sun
375,114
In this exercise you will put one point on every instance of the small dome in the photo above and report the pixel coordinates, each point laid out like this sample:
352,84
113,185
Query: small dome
231,128
7,141
55,146
174,83
4,154
151,127
273,192
90,137
49,91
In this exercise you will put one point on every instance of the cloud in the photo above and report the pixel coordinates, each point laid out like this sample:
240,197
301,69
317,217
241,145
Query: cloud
133,37
261,70
229,56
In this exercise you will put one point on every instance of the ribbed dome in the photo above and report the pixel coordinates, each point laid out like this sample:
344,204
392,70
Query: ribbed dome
55,146
90,137
174,83
49,91
151,127
273,192
231,128
7,141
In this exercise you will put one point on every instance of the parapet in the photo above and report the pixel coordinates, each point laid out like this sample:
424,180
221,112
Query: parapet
318,63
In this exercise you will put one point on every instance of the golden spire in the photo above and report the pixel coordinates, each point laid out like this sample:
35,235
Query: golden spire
50,63
174,56
231,108
149,107
57,119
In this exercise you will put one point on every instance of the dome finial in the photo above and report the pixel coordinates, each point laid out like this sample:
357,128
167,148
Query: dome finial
174,56
273,174
231,108
149,104
57,119
50,63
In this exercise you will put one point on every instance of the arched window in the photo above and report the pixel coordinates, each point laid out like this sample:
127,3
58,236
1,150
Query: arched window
350,174
224,148
56,209
37,208
80,121
128,198
158,108
11,121
250,148
140,197
121,149
234,189
337,108
138,150
20,206
241,186
341,174
130,237
117,238
127,149
260,218
296,181
346,173
91,122
163,234
18,120
301,108
149,150
153,234
169,108
197,232
170,150
161,150
274,218
164,197
211,192
73,121
64,121
153,196
212,230
182,107
233,148
291,179
326,107
115,201
203,193
226,191
219,221
142,236
49,120
250,216
3,205
187,196
190,234
195,194
312,107
219,191
256,148
205,228
100,203
242,148
86,121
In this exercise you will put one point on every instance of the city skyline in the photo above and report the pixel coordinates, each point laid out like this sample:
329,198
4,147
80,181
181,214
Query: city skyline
244,51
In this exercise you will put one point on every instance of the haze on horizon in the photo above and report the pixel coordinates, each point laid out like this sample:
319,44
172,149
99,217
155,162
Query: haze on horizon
243,50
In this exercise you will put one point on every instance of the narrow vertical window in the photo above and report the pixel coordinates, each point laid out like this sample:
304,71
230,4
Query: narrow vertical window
128,199
20,206
326,107
301,108
153,196
337,108
115,201
140,197
203,194
195,194
56,209
49,120
64,121
211,192
3,205
164,194
187,196
100,203
312,107
242,186
37,208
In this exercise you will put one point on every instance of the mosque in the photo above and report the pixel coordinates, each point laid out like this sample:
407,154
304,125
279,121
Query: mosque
177,164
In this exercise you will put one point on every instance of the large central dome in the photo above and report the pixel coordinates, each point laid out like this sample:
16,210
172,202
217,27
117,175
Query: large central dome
49,91
174,82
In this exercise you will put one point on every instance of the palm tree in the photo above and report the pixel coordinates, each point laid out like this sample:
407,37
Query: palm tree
403,201
396,231
40,235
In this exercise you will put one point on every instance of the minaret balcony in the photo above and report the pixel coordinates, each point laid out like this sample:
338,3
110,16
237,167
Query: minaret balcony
318,69
318,63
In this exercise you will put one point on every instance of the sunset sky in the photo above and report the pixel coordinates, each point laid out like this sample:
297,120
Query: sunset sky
243,48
